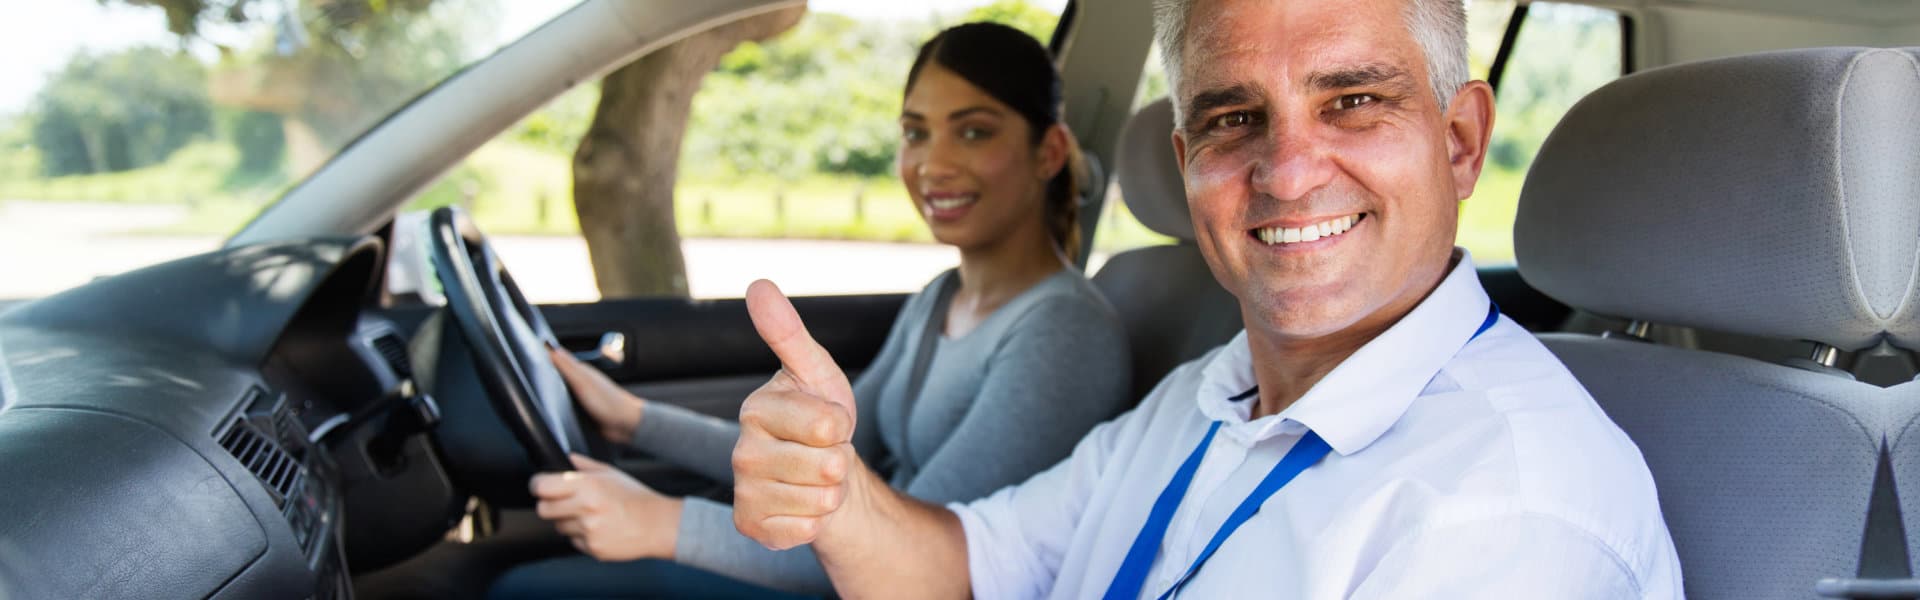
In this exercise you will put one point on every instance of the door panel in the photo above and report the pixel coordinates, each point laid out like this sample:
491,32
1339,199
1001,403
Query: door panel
676,339
704,355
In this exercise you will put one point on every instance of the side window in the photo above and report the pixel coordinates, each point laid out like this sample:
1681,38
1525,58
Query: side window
786,166
1562,52
1119,230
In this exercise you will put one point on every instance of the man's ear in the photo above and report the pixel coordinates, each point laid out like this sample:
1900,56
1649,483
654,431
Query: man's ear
1469,133
1180,152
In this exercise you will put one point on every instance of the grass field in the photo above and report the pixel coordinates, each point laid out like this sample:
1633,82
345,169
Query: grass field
513,188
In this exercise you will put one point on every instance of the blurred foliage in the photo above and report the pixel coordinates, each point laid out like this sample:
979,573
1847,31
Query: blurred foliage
119,111
1563,52
259,136
823,98
336,65
1019,15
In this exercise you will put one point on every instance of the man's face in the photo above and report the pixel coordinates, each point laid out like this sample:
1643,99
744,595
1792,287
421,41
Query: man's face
1303,119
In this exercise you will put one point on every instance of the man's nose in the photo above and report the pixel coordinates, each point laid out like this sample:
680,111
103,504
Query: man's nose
1296,161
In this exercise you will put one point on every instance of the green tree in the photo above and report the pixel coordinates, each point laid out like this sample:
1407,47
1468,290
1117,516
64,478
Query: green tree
626,166
261,139
1562,53
823,97
120,111
331,68
1019,14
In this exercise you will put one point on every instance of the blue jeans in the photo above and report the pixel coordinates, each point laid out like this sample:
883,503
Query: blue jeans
580,577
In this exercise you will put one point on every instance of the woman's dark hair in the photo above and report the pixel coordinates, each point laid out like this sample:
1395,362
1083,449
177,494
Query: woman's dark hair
1015,69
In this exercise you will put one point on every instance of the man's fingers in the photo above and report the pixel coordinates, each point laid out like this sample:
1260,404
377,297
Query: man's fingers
782,532
773,498
789,462
797,417
780,327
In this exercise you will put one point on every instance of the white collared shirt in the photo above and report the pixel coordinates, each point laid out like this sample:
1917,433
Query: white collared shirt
1460,469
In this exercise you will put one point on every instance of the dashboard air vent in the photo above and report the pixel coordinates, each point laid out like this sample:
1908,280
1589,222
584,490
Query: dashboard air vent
277,469
394,350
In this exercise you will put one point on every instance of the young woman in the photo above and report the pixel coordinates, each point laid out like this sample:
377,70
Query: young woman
989,375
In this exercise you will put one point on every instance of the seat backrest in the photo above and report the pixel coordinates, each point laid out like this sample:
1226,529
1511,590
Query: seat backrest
1762,195
1903,439
1173,308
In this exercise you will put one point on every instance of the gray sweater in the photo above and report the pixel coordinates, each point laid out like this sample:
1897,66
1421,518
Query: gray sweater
998,404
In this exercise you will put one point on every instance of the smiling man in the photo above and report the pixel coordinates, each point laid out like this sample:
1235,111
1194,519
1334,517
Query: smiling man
1378,431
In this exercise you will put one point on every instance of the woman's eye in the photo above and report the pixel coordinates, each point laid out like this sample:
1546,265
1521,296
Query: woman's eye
1232,120
975,133
913,134
1352,101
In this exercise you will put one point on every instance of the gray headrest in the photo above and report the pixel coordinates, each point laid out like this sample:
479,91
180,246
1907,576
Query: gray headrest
1150,173
1773,194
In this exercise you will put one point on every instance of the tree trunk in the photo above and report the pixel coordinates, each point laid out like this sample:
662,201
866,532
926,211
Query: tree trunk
625,168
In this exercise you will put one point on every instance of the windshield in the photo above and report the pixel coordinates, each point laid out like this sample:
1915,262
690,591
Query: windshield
134,131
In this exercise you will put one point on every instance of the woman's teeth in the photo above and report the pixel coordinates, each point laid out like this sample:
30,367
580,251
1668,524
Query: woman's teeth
1295,235
950,203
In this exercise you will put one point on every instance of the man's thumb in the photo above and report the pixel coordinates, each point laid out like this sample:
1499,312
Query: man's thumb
778,324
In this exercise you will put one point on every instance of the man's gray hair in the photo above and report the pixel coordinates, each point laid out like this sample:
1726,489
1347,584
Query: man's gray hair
1438,26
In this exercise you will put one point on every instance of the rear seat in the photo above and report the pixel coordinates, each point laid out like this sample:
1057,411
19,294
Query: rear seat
1173,308
1774,196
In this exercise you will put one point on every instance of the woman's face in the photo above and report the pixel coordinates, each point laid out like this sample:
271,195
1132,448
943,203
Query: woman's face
969,162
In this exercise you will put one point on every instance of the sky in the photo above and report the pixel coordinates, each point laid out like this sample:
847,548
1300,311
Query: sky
38,38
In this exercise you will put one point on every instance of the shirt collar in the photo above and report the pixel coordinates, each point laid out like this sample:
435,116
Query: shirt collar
1368,392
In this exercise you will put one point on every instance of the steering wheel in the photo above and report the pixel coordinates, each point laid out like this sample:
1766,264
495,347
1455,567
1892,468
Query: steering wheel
507,337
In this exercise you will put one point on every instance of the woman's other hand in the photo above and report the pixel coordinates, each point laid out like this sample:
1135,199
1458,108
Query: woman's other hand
617,411
607,514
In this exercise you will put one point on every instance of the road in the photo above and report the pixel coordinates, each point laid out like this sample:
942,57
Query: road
47,247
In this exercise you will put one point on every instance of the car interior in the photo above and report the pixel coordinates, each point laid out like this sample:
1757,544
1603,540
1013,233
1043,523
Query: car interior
1723,245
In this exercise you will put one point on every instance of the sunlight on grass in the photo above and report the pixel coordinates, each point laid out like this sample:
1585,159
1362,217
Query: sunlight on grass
514,188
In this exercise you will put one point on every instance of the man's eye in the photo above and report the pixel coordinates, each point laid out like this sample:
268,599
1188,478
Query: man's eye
1231,120
1352,101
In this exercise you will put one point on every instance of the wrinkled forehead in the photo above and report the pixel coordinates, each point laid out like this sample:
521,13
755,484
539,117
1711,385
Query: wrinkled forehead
1285,42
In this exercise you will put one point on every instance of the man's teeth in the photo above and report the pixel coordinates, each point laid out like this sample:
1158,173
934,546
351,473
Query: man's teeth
1293,235
951,203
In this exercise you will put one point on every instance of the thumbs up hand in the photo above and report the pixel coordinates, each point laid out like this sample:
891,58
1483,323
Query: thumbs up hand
794,466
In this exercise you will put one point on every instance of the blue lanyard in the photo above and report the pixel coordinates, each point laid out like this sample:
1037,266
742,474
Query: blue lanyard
1139,560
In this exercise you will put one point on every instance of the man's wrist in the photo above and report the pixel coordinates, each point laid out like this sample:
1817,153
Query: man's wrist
868,500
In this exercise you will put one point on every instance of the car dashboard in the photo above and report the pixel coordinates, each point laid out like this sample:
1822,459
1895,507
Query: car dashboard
191,429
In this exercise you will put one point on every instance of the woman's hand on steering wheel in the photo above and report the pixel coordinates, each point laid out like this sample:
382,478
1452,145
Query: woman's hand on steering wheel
606,513
617,411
